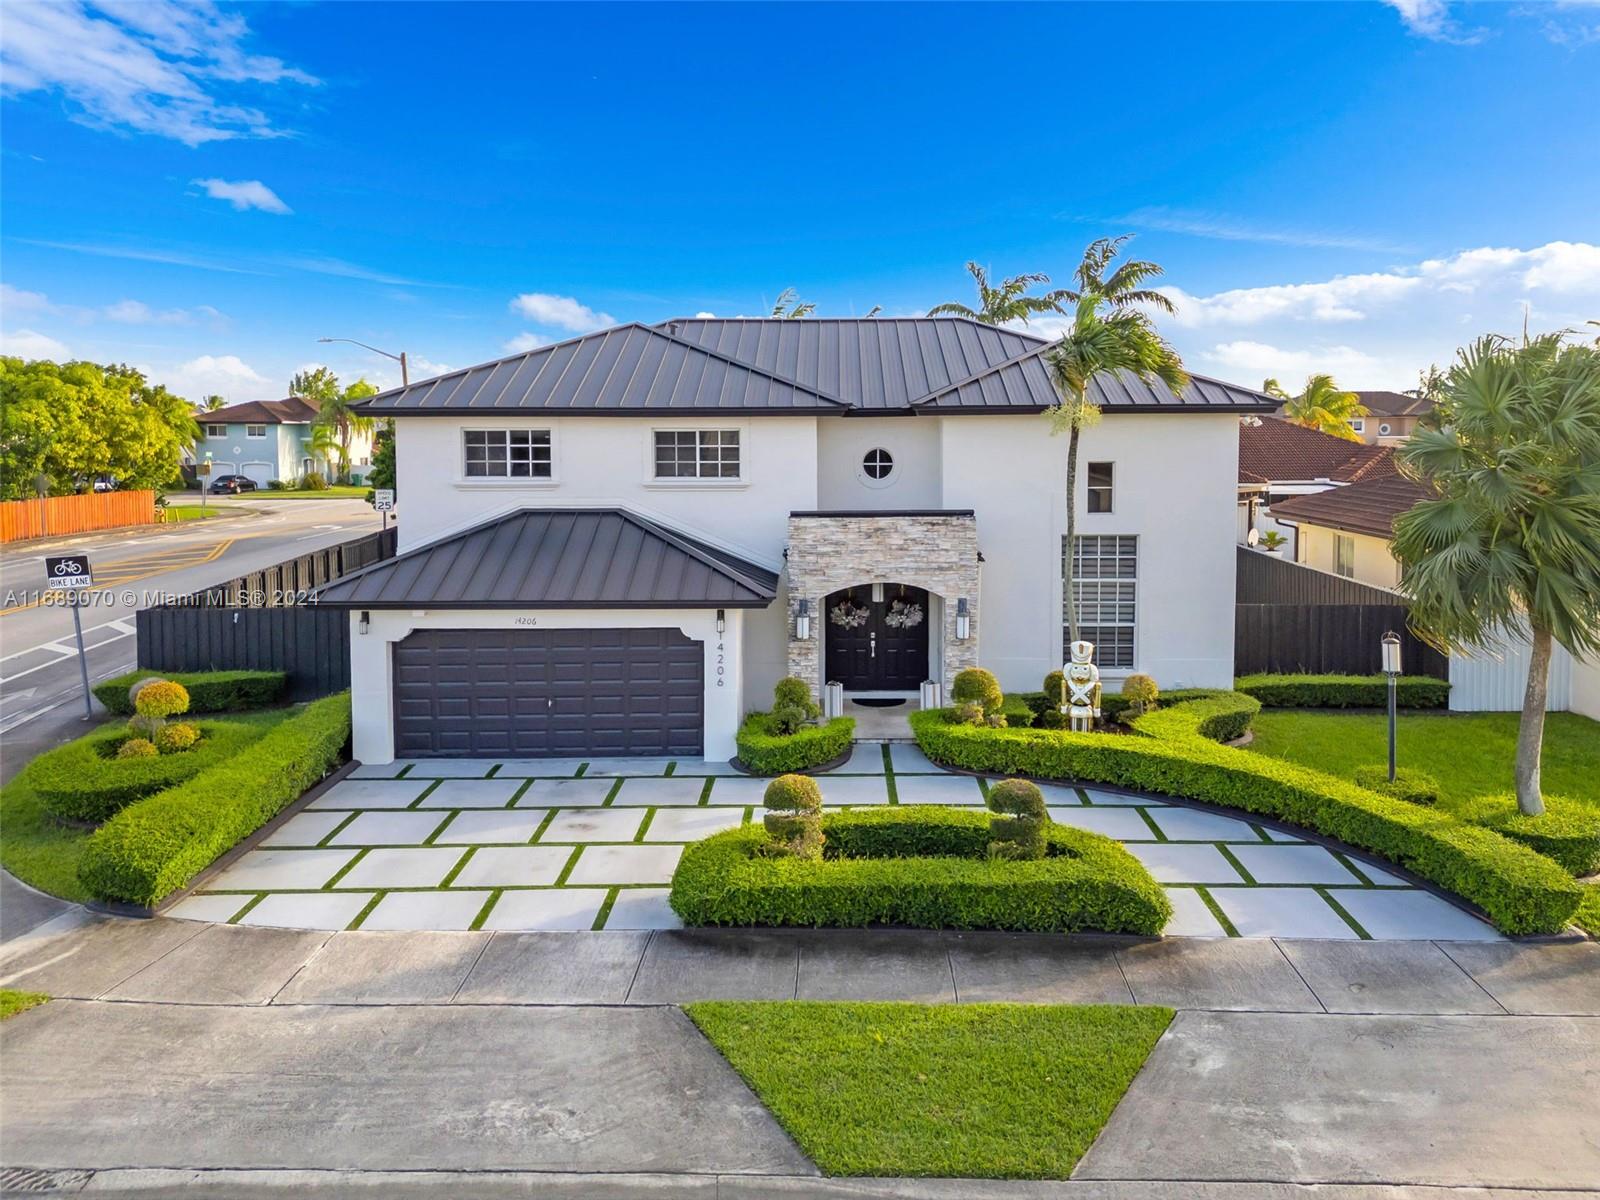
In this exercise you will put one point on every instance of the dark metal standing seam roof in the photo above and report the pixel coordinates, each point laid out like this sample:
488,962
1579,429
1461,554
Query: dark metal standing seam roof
560,558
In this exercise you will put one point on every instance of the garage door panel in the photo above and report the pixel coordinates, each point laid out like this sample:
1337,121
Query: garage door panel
548,693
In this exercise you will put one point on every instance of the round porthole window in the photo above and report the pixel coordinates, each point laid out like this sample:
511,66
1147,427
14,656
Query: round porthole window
877,465
1384,429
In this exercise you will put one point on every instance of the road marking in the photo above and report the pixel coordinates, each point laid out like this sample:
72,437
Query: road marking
121,571
70,650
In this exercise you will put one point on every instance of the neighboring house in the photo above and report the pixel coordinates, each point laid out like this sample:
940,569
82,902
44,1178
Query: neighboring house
1279,460
618,544
1391,417
1346,530
271,439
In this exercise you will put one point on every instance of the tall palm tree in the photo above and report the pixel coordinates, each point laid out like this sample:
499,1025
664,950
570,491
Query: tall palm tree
790,307
1323,405
1511,542
1108,334
321,387
1008,302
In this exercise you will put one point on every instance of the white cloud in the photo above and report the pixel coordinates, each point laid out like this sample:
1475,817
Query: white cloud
15,300
218,374
25,343
426,368
244,194
705,316
524,342
149,66
1431,19
1231,229
1251,362
136,312
562,312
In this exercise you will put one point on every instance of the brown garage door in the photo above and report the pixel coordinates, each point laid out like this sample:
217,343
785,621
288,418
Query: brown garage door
530,693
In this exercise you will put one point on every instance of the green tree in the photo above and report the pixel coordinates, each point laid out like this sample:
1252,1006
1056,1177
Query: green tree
382,474
212,403
790,307
1008,302
335,408
1108,334
1510,544
1322,406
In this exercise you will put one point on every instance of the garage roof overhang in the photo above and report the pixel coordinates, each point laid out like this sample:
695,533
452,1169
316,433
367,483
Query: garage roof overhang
560,558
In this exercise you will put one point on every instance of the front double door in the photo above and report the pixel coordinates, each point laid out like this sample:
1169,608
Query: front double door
877,645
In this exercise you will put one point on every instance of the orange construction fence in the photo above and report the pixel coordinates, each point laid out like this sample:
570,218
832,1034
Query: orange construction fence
55,516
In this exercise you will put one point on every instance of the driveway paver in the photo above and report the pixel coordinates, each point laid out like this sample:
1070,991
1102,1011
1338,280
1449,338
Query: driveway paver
472,793
454,909
513,866
547,908
307,910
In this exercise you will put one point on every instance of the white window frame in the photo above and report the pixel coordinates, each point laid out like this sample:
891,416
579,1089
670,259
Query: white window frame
1384,429
216,431
1109,489
1346,569
741,480
250,431
1118,590
1359,424
464,480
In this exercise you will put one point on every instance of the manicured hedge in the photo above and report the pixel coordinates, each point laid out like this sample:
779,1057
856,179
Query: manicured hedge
1412,786
154,847
83,781
923,866
209,691
766,753
1343,691
1566,831
1113,706
1521,891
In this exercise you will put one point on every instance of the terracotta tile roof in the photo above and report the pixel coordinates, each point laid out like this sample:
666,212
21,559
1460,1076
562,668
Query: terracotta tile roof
292,411
1368,507
1278,452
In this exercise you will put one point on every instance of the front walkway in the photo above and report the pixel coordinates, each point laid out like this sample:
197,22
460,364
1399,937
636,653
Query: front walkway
550,844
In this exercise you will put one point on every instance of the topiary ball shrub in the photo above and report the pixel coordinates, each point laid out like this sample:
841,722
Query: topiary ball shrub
138,686
137,748
980,687
970,713
787,719
161,698
792,692
175,739
794,816
146,727
1055,688
1414,787
1051,718
1016,831
1140,692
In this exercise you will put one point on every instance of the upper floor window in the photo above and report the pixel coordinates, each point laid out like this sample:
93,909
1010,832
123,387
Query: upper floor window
1383,429
507,453
216,431
1100,487
1344,556
877,463
697,454
255,431
1358,424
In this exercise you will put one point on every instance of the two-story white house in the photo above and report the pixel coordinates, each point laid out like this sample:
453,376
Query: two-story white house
618,544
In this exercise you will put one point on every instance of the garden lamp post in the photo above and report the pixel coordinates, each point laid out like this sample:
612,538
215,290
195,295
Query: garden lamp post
1391,668
405,377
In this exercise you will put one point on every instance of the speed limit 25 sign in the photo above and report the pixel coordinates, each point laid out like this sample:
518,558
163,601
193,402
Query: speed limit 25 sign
67,573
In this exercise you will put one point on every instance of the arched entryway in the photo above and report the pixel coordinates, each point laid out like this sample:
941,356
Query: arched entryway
876,637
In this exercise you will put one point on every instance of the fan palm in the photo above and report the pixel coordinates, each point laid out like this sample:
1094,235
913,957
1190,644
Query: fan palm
1322,406
1107,335
1511,542
1008,302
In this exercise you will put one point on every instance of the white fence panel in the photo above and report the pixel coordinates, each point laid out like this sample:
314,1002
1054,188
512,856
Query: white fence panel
1495,682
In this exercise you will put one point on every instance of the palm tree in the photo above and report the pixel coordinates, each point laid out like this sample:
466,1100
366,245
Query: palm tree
1008,302
323,444
1511,542
321,387
1323,406
790,307
1108,334
212,403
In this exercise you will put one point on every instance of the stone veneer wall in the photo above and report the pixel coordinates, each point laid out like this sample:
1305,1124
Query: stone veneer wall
938,552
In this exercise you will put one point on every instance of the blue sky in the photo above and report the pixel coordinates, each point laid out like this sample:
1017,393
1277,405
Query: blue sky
204,191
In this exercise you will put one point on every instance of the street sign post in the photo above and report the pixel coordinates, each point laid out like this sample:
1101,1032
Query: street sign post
383,501
71,573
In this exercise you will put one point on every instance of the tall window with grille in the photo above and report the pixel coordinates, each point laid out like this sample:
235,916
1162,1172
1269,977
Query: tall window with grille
1105,585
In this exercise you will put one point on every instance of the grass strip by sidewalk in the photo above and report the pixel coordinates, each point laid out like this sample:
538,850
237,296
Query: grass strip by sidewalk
13,1002
991,1091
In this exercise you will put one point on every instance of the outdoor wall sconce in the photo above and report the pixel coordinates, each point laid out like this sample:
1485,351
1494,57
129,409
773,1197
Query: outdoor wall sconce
722,620
963,620
877,593
802,621
365,625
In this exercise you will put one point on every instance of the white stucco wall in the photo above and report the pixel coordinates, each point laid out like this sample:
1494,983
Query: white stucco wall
1373,562
1584,697
915,445
372,659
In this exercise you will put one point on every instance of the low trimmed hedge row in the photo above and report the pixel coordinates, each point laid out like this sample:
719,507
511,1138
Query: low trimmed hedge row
1112,705
209,691
1520,890
85,781
923,866
156,846
1343,691
1566,831
764,752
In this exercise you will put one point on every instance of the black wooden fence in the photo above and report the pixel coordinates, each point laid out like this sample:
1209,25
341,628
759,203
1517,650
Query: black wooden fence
1291,619
263,622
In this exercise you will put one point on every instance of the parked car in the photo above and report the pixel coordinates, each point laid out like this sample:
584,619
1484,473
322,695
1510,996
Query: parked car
105,483
232,485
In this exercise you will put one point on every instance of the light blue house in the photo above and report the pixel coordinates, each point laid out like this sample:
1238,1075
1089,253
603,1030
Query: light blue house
271,439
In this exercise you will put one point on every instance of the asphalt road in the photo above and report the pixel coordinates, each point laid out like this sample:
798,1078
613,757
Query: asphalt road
133,569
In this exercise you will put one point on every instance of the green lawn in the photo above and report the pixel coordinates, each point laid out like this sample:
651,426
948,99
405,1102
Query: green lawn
189,512
337,491
993,1091
43,852
1470,754
13,1002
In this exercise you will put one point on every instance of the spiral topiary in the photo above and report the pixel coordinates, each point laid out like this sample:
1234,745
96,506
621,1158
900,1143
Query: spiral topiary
161,698
792,691
175,739
1016,830
977,686
137,748
793,819
787,718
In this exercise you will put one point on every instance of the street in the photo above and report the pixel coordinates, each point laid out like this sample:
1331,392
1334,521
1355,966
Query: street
133,569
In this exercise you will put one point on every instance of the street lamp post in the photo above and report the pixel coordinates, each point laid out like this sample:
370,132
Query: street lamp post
405,376
1391,668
